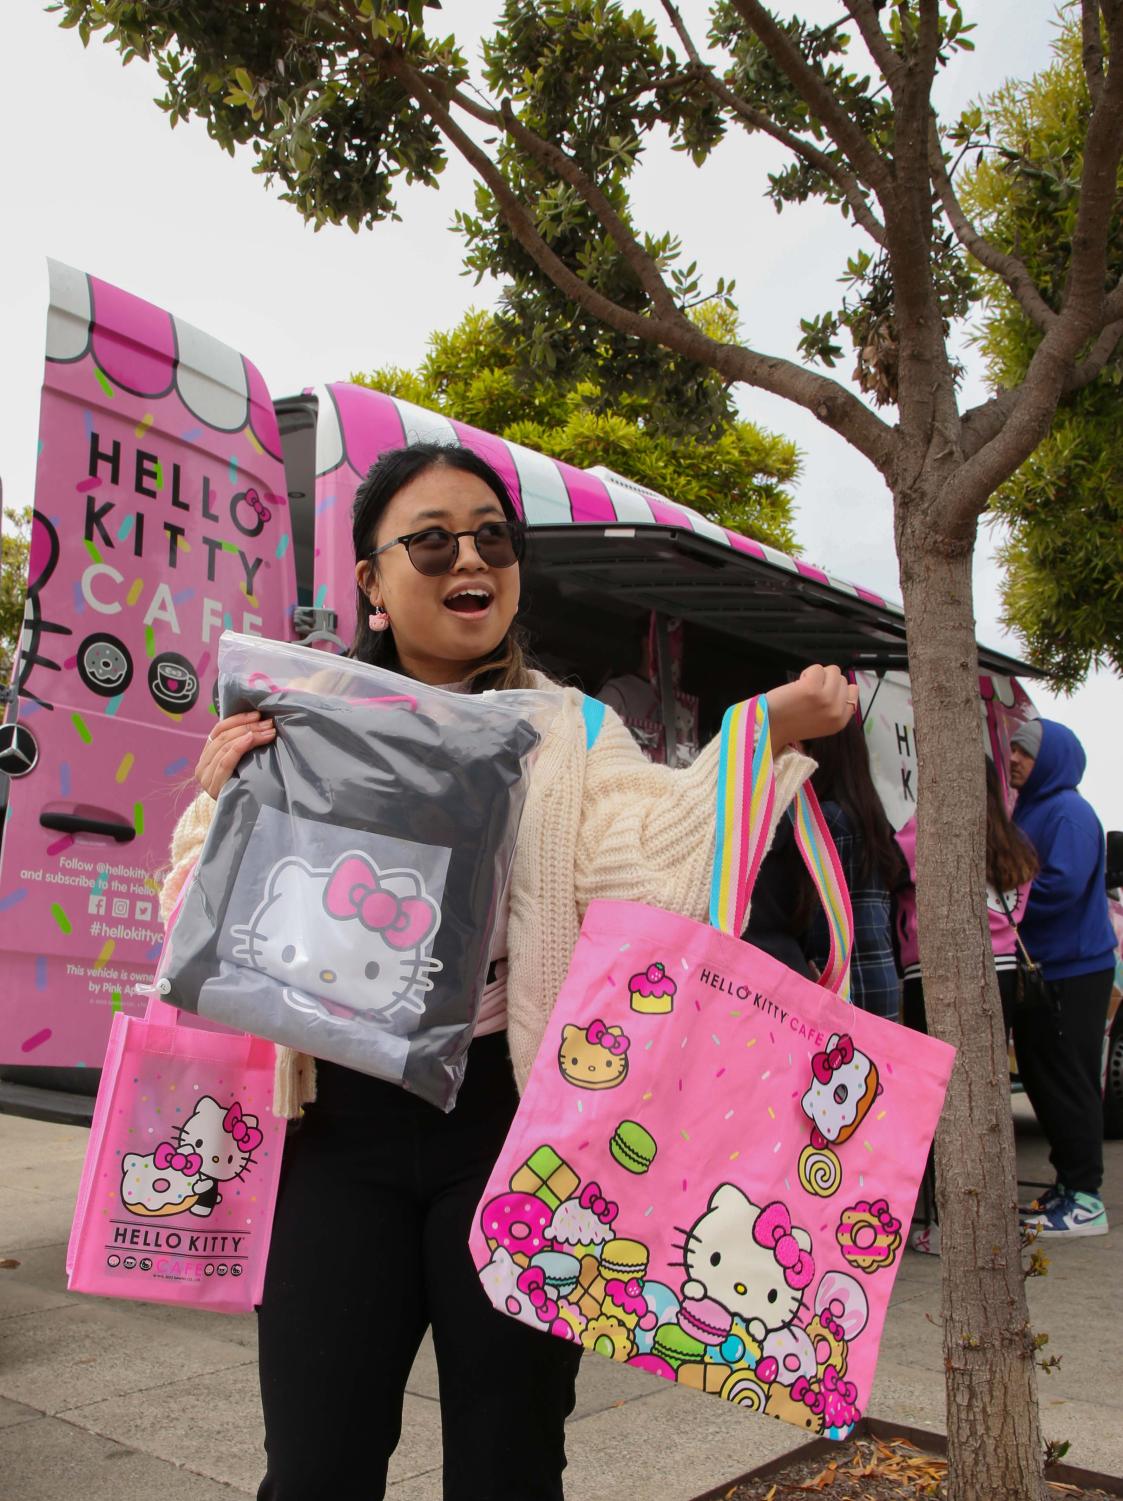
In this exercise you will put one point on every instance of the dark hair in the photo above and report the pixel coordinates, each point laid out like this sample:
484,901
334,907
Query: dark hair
843,777
506,666
1011,858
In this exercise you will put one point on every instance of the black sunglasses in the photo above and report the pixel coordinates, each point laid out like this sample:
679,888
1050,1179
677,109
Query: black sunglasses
434,551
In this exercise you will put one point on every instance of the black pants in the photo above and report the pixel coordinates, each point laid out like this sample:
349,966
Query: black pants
913,1015
370,1248
1060,1054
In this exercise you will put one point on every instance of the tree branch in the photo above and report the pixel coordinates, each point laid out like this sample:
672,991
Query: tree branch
557,161
1003,432
683,34
1010,268
868,164
831,403
1083,297
1095,361
1092,49
864,16
840,175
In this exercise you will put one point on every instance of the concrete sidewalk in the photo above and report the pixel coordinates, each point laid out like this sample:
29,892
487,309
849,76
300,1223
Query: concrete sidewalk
126,1402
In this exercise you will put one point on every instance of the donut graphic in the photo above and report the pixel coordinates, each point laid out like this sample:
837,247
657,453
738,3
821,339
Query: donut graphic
104,664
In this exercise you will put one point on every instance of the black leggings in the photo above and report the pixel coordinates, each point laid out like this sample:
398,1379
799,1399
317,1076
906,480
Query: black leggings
370,1248
1060,1055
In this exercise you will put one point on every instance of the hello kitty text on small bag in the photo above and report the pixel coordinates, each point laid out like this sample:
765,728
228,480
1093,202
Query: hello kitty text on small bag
711,1172
176,1198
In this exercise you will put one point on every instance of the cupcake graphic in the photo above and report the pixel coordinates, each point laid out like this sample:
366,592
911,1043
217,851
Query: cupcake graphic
653,991
583,1224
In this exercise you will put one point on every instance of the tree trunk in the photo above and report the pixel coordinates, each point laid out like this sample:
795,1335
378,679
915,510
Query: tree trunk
994,1436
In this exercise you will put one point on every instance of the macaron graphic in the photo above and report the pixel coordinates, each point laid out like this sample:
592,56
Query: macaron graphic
633,1147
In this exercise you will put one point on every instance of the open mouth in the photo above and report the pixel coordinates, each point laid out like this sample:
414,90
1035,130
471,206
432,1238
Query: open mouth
468,602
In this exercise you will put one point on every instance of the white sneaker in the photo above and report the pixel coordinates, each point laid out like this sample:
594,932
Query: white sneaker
926,1240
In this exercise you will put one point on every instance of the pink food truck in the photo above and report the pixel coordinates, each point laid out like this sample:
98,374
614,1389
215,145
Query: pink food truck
175,498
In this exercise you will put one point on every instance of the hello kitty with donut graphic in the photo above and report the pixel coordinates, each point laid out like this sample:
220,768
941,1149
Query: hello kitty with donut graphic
844,1085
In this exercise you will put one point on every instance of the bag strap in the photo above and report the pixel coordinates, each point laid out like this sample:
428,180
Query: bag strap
746,797
592,712
813,839
1031,963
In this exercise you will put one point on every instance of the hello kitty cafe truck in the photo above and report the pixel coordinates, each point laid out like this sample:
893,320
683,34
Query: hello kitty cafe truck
174,498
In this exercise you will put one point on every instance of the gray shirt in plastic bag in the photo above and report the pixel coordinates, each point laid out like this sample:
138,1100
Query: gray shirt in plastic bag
347,891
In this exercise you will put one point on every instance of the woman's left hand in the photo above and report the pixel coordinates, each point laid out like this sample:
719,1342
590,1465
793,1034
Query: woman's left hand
820,702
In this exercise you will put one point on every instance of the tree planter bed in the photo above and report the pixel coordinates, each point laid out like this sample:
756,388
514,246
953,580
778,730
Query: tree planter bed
885,1462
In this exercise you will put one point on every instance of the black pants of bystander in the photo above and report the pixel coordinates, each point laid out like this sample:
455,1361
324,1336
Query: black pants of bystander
1060,1055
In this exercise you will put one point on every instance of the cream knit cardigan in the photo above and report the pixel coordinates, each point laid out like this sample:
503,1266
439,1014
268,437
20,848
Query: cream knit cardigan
598,822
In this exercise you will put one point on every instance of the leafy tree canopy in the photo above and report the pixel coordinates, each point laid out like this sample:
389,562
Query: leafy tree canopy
13,584
474,373
1063,588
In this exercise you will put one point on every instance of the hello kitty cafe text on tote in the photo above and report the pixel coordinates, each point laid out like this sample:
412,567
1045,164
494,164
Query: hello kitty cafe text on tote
712,1170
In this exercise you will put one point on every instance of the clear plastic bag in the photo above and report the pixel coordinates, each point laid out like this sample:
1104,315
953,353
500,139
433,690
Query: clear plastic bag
350,883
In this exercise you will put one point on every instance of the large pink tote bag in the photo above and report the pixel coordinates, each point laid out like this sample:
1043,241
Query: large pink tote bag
712,1171
176,1199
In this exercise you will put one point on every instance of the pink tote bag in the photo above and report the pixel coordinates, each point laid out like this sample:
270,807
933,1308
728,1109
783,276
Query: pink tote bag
176,1199
711,1173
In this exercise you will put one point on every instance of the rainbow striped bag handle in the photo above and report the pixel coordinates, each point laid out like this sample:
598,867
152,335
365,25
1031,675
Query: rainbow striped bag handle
746,794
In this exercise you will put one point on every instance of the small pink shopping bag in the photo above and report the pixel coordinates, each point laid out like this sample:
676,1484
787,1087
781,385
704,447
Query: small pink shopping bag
176,1199
711,1173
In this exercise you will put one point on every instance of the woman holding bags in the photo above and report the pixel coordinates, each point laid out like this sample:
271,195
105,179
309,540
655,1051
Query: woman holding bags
370,1240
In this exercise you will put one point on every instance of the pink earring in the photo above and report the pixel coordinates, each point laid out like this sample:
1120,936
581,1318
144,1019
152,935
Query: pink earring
378,620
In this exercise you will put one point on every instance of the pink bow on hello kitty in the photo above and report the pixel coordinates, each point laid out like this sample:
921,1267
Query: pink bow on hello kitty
166,1156
825,1065
354,890
598,1033
803,1391
604,1209
248,1137
532,1282
773,1230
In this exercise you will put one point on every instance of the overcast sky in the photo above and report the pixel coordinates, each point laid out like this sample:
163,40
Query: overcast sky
93,176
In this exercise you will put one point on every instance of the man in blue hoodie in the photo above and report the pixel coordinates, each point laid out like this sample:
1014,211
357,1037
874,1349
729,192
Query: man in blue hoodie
1067,932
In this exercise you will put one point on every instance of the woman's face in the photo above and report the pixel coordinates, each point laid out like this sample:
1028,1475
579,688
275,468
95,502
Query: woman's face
442,625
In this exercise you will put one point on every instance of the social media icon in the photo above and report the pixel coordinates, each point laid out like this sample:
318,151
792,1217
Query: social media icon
120,906
143,911
97,904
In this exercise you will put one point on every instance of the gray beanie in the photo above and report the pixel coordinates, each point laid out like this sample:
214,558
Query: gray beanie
1027,737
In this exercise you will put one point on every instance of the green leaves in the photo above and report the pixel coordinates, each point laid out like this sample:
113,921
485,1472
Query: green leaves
13,583
482,373
1061,515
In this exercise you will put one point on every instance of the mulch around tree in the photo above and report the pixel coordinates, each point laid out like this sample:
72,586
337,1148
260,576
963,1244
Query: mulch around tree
871,1469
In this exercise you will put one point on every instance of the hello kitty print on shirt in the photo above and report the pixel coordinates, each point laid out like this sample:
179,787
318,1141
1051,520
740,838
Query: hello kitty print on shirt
344,941
222,1140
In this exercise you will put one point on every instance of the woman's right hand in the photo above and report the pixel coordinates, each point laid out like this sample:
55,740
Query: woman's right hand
226,744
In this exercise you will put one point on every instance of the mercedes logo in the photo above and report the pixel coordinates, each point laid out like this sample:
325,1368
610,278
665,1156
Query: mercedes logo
19,750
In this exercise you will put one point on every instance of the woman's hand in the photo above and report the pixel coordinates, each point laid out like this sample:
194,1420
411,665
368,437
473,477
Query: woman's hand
226,744
819,702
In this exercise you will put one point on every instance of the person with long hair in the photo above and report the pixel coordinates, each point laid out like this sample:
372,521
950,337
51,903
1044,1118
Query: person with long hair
370,1239
1011,865
786,919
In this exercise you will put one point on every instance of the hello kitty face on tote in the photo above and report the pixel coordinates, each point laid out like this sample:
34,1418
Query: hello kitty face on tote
343,940
222,1137
751,1260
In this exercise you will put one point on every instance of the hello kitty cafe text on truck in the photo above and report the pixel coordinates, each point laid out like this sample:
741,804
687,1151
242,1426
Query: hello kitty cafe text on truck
175,499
